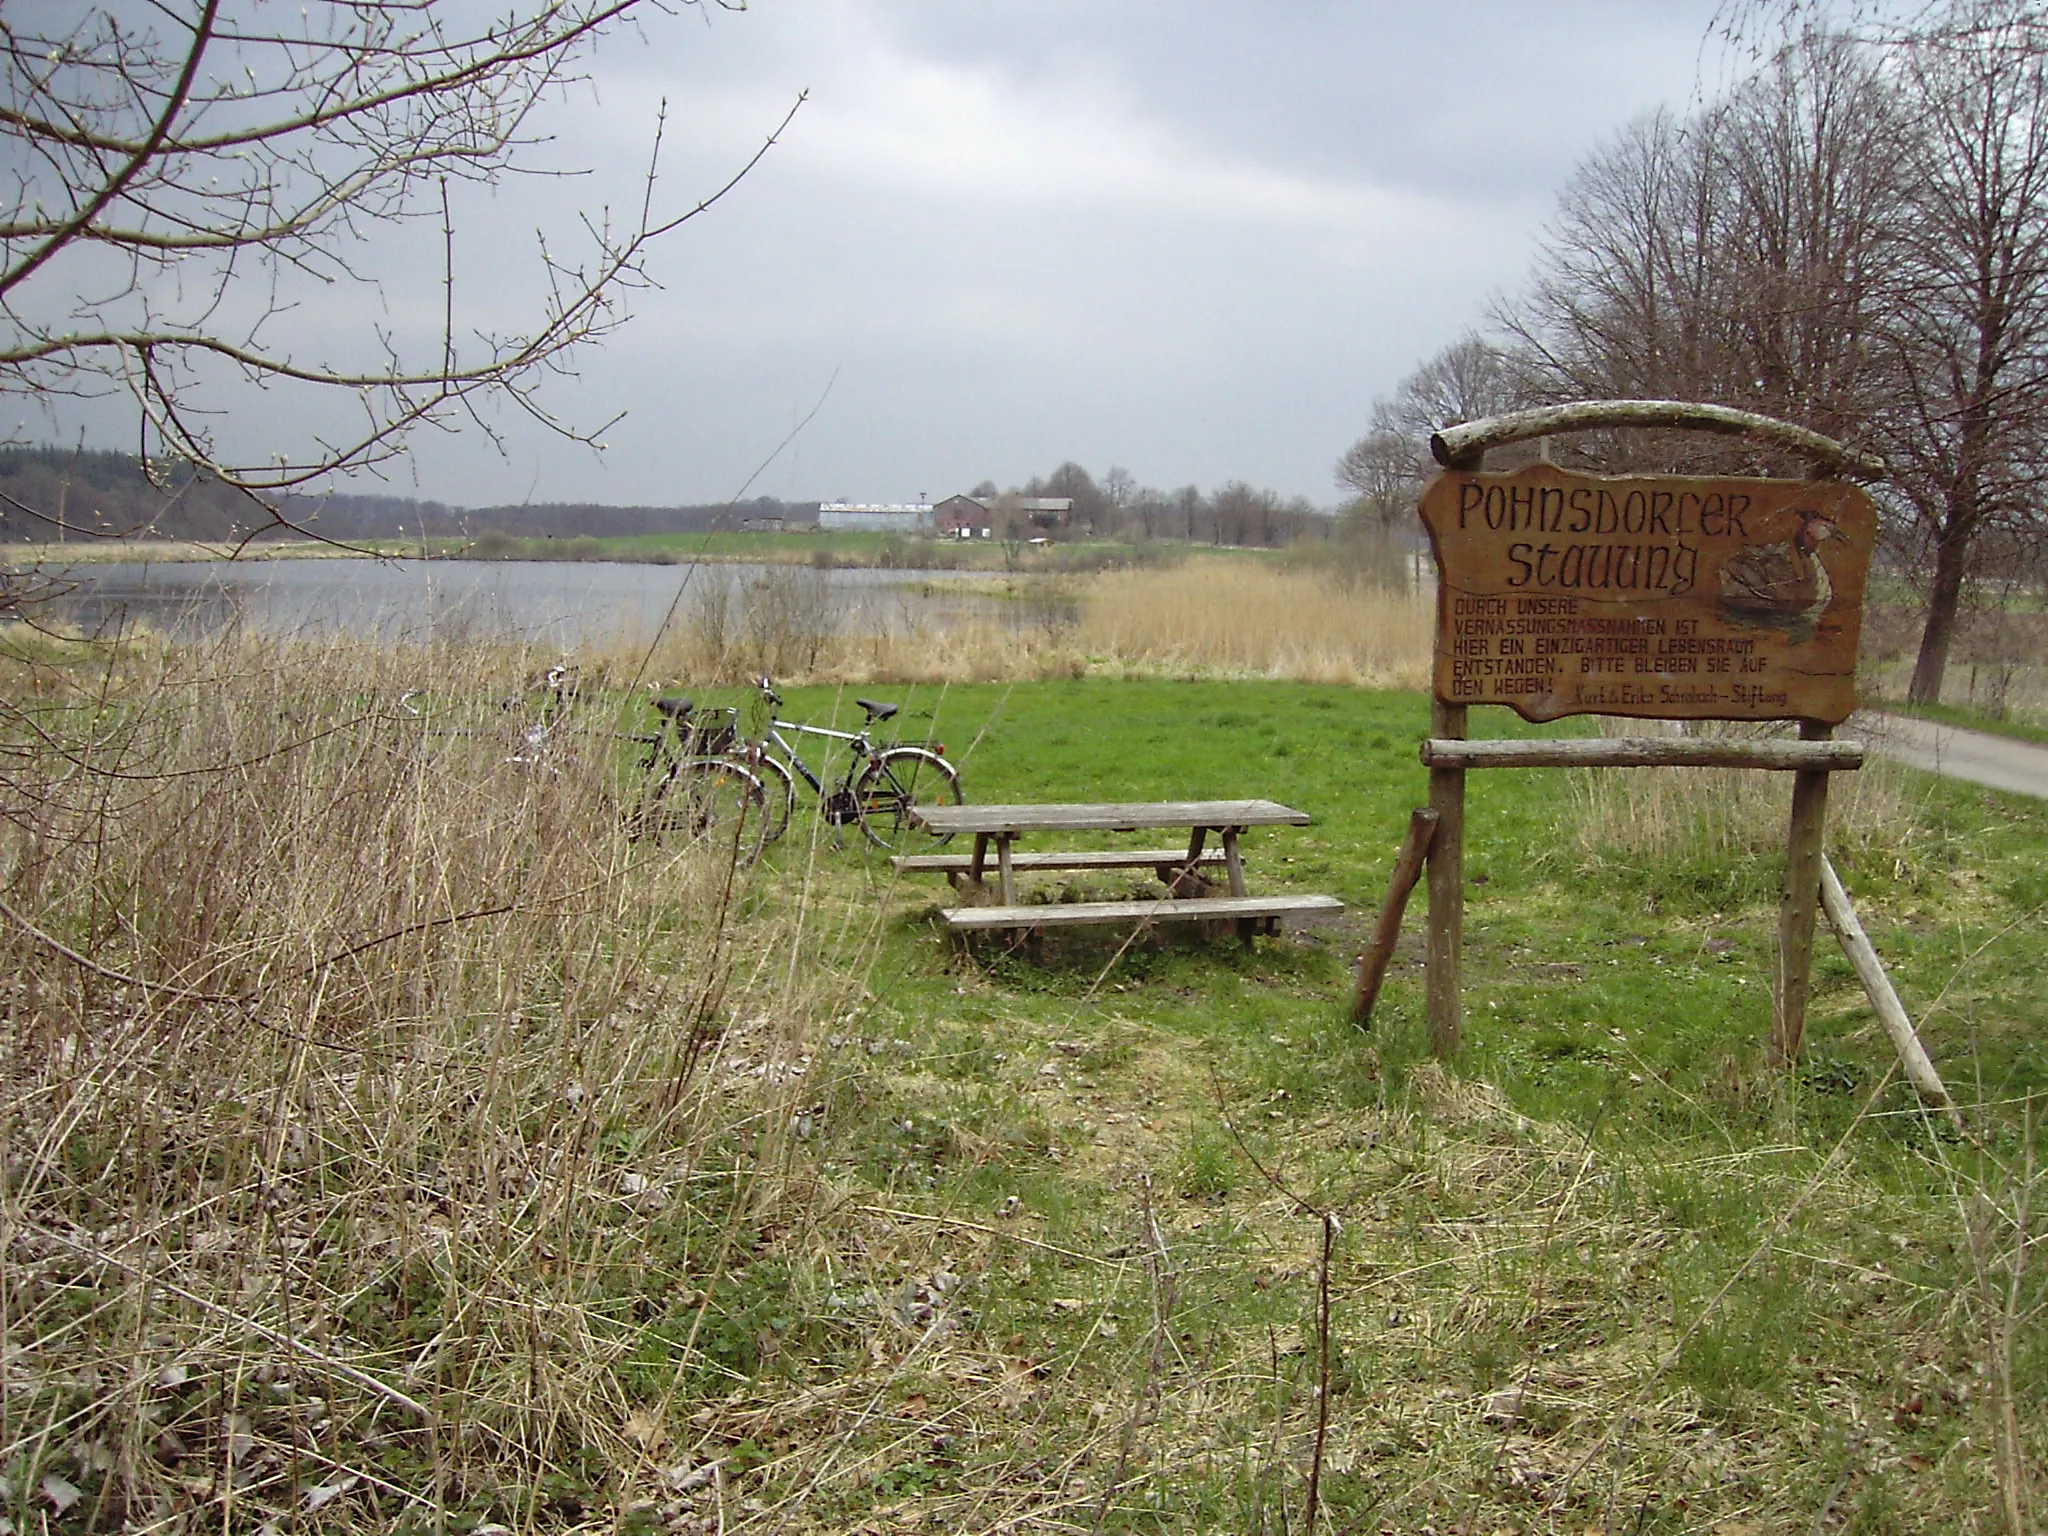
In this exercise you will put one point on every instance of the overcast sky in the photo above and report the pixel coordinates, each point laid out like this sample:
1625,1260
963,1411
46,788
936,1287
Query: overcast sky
1193,239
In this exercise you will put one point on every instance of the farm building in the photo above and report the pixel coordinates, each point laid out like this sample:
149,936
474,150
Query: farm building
1008,516
1049,516
961,517
875,516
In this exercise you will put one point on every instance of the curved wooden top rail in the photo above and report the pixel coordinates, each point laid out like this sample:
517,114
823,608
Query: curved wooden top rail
1462,447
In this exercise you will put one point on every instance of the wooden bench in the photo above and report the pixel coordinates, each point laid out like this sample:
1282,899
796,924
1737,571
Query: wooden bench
1250,913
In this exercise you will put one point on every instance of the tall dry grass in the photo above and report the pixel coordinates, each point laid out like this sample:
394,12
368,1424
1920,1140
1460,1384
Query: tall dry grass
1229,616
365,1092
1243,618
1710,815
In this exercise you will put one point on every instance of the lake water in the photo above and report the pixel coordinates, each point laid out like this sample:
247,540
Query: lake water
562,603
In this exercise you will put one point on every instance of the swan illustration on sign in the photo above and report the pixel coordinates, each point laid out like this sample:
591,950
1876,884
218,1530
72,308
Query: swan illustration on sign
1782,586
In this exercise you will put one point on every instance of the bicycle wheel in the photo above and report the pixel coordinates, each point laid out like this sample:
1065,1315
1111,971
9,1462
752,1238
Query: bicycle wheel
710,803
899,779
779,785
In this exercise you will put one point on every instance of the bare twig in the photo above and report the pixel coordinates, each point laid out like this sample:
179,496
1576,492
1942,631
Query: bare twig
1332,1228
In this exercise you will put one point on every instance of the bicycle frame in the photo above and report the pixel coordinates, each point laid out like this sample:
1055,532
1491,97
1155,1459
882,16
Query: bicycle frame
863,751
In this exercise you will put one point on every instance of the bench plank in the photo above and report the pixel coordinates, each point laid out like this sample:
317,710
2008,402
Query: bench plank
1101,816
1170,910
1092,858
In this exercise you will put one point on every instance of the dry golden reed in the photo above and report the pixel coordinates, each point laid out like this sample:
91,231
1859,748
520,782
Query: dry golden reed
1662,814
1226,615
1244,618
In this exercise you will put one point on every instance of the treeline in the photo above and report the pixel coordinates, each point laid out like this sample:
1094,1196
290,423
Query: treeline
1117,507
1855,239
89,493
96,493
50,493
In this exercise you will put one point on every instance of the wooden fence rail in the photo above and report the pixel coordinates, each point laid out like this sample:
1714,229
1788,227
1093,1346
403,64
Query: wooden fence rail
1645,752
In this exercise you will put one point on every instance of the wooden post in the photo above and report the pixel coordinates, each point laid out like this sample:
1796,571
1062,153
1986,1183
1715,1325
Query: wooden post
1233,865
1798,903
1447,885
1372,967
1891,1013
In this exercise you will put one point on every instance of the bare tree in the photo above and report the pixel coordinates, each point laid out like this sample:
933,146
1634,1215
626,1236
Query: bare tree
1245,514
1735,257
1381,465
1091,507
1151,509
1968,339
1958,350
184,170
1466,381
1617,303
1118,488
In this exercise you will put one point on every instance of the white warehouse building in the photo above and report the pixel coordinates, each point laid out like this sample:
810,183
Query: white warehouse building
876,516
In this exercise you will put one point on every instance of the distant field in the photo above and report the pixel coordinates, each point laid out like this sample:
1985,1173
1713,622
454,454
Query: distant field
106,551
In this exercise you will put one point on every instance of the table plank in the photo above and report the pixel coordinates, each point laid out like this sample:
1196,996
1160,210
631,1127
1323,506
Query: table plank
1105,816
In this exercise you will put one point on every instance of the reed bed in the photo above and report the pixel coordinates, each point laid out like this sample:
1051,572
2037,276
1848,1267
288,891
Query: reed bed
907,651
1233,617
1241,618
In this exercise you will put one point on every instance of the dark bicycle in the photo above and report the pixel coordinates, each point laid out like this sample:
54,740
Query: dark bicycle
695,786
689,790
879,789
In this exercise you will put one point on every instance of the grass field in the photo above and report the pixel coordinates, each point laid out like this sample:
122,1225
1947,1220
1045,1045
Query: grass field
1610,1272
590,1193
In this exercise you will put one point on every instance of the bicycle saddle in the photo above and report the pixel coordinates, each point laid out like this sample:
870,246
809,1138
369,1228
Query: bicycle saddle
876,711
675,706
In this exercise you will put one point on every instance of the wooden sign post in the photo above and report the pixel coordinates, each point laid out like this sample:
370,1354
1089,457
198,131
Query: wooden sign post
1653,597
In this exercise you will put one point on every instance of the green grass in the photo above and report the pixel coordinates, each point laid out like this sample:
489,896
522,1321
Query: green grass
1584,970
1612,1208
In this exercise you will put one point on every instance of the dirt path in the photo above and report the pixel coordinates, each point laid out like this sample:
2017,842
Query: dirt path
1998,761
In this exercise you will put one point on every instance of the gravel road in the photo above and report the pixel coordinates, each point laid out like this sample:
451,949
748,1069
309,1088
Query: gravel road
1996,761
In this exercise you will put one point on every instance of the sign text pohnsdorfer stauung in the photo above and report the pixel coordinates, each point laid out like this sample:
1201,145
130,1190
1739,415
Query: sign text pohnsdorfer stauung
1657,597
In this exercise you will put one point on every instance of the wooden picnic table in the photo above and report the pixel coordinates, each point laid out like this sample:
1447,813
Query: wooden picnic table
998,827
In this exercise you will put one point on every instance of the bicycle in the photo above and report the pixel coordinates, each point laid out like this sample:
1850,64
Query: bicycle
881,787
688,789
694,786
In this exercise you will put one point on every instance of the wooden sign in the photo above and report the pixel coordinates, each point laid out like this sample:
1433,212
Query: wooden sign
1654,597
